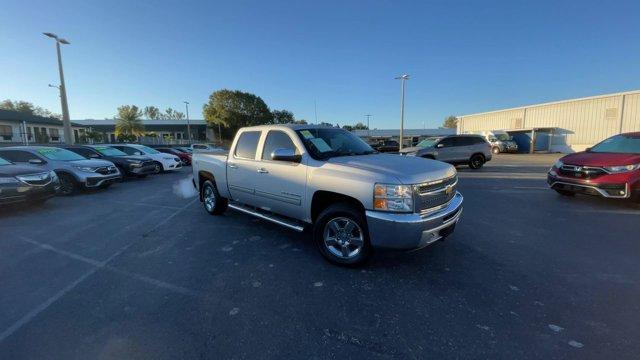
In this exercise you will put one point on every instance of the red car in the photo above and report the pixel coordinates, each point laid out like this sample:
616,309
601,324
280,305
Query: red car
610,169
184,157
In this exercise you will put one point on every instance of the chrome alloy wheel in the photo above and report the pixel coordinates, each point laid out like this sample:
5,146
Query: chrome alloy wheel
209,198
343,237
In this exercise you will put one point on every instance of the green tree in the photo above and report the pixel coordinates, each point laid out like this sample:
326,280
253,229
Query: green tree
282,117
348,127
171,114
301,122
26,107
129,122
234,109
151,112
450,122
94,135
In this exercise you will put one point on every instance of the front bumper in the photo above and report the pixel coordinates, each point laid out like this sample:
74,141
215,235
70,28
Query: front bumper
96,181
173,165
27,193
602,187
143,170
411,231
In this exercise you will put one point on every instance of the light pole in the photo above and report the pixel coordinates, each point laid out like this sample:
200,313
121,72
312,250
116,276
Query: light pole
368,127
186,104
66,123
402,79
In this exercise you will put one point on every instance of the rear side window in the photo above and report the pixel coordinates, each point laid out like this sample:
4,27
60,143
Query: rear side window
447,142
247,145
464,141
127,150
18,155
276,140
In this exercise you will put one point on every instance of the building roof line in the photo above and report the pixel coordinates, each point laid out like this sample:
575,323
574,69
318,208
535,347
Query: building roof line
630,92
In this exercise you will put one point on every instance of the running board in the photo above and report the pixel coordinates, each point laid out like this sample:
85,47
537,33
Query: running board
273,218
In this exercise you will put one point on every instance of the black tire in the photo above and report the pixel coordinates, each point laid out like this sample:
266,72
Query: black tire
495,150
476,161
158,168
213,203
565,192
322,230
68,185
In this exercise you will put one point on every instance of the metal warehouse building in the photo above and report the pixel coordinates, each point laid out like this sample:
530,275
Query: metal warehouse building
562,126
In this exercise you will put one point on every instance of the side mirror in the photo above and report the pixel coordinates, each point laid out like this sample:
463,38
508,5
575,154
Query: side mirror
440,145
587,149
137,153
94,156
285,155
36,162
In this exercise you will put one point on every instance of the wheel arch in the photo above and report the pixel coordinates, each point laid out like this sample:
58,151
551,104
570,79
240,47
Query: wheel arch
322,199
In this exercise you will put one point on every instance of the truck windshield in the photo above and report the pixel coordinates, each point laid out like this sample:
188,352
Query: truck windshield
324,143
619,144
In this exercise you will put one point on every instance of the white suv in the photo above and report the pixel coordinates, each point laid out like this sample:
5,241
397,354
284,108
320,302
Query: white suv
163,161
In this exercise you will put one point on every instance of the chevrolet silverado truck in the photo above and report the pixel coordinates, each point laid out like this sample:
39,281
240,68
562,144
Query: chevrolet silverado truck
329,180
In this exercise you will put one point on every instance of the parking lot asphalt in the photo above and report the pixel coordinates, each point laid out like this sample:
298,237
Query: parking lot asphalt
137,271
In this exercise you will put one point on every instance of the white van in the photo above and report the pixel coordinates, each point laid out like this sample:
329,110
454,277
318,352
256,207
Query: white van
500,141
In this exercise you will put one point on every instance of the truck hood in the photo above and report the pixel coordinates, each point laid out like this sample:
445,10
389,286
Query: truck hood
408,170
601,159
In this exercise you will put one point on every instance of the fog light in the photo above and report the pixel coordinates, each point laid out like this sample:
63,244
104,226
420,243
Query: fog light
621,192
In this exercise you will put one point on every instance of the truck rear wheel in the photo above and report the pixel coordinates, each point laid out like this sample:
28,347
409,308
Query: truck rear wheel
213,203
340,232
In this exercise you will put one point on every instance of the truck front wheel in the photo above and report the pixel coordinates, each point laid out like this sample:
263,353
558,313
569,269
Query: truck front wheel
341,235
213,203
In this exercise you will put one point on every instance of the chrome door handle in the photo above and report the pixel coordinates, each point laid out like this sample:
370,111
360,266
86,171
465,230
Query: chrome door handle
232,166
263,171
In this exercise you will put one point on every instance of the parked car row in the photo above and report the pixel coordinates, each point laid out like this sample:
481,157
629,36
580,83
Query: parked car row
33,174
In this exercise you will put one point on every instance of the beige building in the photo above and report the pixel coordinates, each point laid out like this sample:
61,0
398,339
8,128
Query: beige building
563,126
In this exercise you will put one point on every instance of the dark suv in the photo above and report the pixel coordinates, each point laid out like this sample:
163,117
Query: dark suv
129,165
25,183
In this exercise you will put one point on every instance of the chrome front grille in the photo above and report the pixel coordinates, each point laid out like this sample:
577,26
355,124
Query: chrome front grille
581,172
434,195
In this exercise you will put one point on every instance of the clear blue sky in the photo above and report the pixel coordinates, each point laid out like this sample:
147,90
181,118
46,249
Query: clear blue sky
463,56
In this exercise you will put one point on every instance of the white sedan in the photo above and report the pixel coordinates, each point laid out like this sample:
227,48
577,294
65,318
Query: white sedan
163,161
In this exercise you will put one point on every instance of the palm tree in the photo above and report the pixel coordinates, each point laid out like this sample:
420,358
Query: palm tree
129,122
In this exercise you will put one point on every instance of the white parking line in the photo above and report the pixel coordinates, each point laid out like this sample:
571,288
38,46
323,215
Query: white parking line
33,313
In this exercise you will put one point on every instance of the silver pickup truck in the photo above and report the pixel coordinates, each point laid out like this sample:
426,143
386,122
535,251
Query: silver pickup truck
353,198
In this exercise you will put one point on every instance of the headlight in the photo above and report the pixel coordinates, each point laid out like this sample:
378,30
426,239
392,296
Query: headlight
167,158
558,164
8,180
85,168
53,174
622,168
389,197
411,153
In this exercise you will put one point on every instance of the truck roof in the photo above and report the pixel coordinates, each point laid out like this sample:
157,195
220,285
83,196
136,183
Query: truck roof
288,126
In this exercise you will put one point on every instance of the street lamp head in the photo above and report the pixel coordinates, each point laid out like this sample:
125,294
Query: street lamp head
186,102
402,77
63,41
51,35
